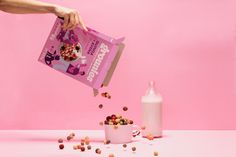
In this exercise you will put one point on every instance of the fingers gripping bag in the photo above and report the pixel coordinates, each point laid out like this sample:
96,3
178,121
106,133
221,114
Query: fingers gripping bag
89,57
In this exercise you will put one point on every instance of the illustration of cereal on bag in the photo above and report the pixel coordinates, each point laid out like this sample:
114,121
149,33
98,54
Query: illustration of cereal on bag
89,57
70,51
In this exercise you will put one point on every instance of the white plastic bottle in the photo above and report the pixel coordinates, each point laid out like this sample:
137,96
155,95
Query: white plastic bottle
152,112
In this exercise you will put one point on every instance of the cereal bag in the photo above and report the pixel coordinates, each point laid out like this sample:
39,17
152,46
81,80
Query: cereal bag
89,57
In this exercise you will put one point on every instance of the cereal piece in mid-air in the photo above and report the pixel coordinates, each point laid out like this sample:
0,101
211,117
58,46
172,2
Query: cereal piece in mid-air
101,123
125,108
106,95
100,106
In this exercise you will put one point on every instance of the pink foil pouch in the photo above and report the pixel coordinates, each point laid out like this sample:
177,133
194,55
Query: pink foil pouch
89,57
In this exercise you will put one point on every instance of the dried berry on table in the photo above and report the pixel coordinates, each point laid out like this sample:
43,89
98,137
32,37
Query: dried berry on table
155,153
111,155
133,149
69,138
124,145
82,148
143,127
89,147
61,146
75,147
98,151
106,141
60,140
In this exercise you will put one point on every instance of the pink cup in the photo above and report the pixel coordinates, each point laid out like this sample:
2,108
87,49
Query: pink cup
121,134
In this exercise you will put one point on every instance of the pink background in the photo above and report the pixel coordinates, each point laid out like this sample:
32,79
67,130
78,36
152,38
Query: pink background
187,47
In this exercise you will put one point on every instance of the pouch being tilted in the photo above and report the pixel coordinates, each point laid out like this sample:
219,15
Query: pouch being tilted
89,57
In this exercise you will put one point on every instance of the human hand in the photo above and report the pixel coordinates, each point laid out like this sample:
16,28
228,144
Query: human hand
71,17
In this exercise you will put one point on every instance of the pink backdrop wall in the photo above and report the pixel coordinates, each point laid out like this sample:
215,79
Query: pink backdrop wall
187,47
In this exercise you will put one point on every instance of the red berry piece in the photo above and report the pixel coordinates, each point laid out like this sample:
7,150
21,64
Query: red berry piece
60,140
61,146
125,108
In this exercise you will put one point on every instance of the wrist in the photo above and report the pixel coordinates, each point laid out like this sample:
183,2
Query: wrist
51,8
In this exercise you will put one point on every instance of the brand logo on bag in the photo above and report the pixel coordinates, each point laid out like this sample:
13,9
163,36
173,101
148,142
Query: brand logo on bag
94,70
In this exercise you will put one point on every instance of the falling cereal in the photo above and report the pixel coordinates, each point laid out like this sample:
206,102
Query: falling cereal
101,123
100,106
125,108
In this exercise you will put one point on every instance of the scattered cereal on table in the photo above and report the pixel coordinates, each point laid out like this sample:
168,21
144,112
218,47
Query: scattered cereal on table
61,146
82,148
133,149
89,147
72,134
60,140
78,146
111,155
155,153
98,151
75,147
68,138
124,145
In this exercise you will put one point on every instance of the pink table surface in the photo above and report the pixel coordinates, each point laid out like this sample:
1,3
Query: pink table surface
181,143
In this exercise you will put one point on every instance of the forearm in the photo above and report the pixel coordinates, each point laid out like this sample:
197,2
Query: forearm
26,6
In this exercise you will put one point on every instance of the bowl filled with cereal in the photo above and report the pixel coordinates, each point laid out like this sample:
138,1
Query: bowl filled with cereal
119,130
